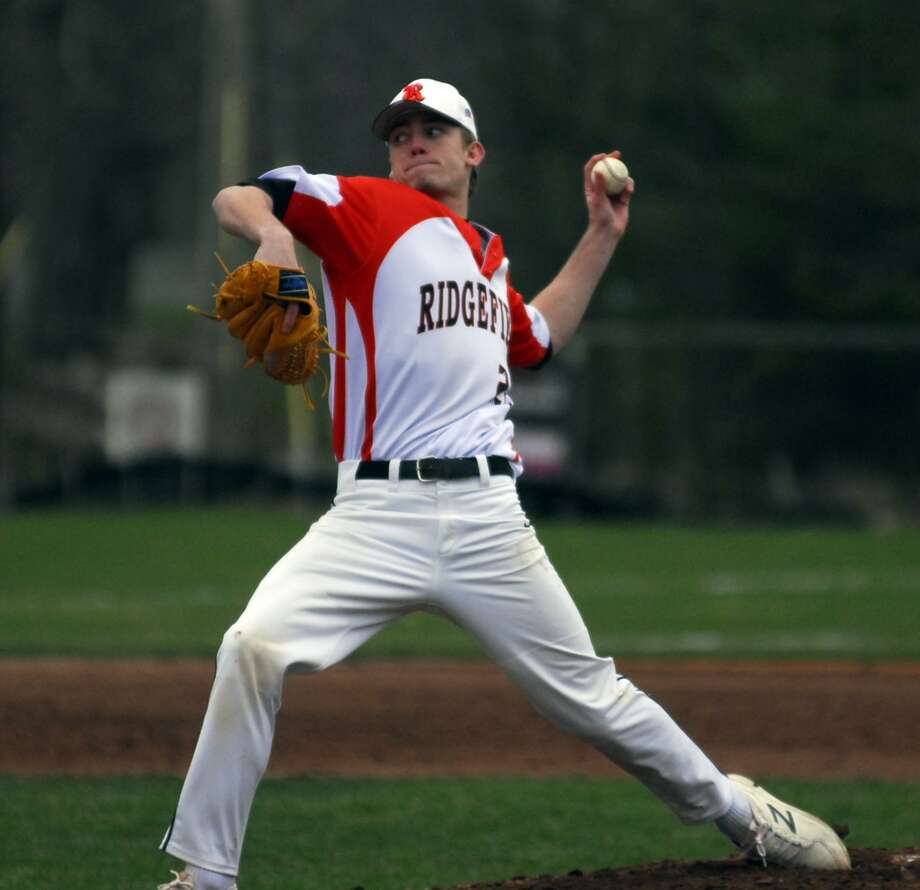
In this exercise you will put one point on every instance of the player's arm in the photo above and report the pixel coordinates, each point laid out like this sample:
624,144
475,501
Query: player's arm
563,302
248,212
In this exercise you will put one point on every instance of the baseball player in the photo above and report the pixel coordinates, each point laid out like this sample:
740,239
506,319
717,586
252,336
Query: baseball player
426,514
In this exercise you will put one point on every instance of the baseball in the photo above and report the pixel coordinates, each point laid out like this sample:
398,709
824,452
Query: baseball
614,172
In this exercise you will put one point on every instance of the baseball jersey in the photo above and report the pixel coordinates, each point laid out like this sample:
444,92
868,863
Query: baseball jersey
420,301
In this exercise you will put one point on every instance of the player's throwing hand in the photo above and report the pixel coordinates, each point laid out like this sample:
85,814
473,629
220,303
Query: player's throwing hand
607,210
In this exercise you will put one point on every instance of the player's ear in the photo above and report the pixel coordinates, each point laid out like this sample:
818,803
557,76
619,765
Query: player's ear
475,153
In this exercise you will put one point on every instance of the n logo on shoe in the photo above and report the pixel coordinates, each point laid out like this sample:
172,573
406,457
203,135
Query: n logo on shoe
786,817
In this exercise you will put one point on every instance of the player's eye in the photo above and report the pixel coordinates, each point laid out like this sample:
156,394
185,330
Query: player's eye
399,138
434,131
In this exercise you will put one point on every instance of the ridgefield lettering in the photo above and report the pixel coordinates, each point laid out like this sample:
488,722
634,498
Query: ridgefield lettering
443,303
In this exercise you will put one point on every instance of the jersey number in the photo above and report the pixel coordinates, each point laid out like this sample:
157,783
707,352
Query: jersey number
504,384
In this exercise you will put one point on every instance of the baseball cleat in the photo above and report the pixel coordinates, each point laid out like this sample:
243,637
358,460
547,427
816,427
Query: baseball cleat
183,881
781,834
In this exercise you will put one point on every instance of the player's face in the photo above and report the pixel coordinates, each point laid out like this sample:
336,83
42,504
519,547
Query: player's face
431,155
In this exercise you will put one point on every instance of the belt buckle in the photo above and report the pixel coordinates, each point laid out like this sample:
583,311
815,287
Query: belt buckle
419,471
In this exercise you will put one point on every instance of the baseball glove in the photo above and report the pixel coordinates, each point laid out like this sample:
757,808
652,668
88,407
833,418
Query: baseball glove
252,300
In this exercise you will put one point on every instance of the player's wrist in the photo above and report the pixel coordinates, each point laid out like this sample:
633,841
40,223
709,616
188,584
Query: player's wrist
601,236
276,245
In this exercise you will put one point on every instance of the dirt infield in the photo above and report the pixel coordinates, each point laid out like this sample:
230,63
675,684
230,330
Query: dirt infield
396,719
447,718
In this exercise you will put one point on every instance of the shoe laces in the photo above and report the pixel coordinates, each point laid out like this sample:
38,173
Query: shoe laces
759,838
178,883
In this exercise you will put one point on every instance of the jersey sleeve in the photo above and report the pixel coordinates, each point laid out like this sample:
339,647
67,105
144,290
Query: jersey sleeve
334,216
530,345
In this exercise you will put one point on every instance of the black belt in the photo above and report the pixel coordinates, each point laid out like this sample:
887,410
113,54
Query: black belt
433,469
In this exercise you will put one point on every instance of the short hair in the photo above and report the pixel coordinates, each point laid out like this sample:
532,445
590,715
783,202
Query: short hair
468,140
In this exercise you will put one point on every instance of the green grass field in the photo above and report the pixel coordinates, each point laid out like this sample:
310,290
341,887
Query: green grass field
324,834
165,583
169,583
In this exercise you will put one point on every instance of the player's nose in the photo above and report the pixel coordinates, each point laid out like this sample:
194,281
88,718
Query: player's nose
417,143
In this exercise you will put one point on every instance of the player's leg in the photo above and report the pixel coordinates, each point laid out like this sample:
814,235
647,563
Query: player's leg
499,584
341,584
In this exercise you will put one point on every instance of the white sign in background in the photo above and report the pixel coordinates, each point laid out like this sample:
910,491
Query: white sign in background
150,413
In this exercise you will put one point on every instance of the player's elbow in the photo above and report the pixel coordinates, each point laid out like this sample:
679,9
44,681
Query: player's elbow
242,207
223,204
559,336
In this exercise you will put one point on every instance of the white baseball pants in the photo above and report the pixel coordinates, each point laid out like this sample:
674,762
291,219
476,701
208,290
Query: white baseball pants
461,549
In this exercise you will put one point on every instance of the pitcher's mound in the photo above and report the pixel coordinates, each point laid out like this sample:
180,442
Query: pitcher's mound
889,869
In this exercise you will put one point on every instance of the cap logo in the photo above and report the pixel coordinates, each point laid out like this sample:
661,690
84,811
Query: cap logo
413,93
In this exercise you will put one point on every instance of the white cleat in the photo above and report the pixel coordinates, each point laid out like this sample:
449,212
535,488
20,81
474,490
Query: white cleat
781,834
183,881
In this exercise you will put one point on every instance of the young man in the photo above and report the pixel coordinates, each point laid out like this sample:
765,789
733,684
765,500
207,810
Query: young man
426,516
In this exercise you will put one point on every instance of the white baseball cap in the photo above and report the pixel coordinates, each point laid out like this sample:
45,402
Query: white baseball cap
441,98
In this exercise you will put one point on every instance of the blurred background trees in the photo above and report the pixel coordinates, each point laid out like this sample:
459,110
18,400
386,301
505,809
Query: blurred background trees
756,338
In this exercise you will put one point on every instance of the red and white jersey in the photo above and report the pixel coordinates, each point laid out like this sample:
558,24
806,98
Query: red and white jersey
420,301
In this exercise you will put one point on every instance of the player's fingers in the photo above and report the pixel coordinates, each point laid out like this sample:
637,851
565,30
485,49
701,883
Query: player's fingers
594,182
625,196
598,180
290,317
589,166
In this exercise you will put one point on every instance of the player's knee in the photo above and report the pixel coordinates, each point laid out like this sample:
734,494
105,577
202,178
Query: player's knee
586,722
588,715
610,711
251,648
571,714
